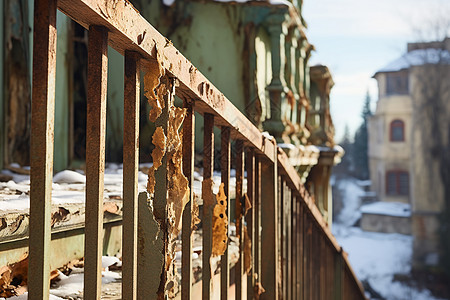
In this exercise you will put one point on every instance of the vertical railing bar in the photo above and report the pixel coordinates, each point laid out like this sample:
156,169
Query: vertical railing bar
306,254
95,158
289,245
269,234
250,218
225,164
282,235
42,129
239,267
188,170
130,174
300,263
257,210
294,249
208,165
316,259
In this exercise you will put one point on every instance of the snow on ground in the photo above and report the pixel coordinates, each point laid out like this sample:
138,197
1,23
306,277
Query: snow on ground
350,193
395,209
71,287
375,257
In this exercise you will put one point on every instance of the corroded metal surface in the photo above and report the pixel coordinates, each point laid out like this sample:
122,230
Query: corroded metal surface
130,174
42,129
95,158
250,219
269,234
239,267
208,204
188,169
225,157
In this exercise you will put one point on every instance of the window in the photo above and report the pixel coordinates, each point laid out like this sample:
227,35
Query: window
397,183
397,83
397,131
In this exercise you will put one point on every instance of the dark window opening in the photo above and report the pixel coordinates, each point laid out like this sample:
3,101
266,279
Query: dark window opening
397,183
397,83
397,129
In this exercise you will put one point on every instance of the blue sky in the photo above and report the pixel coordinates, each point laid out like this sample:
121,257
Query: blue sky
355,38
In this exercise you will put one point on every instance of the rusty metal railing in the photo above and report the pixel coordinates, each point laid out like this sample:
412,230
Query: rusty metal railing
293,253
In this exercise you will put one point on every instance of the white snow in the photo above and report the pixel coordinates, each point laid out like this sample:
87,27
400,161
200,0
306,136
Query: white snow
351,193
68,187
68,176
267,135
417,58
375,257
395,209
25,296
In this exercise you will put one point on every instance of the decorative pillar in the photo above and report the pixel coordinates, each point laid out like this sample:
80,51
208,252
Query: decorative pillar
277,87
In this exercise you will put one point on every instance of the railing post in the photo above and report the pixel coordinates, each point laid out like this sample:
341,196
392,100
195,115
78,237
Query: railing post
257,209
95,159
225,157
289,224
300,243
188,170
130,175
42,128
250,218
208,204
269,234
239,267
338,275
283,236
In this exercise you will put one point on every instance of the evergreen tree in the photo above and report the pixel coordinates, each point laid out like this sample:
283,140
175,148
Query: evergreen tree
345,167
360,146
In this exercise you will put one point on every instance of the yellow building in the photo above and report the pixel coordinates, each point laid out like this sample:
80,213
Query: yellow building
409,127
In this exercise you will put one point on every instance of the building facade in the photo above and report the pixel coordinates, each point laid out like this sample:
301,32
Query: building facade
408,135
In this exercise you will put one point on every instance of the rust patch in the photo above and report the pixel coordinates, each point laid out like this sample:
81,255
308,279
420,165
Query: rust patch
207,195
258,290
153,87
16,224
247,251
61,215
195,214
247,204
159,140
220,223
111,208
4,224
14,278
291,99
168,145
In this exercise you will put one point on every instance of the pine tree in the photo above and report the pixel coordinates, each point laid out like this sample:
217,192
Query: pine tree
360,146
346,166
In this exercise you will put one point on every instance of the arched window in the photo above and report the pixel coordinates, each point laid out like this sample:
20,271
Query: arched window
397,131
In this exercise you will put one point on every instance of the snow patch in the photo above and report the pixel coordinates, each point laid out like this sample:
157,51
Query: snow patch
395,209
68,176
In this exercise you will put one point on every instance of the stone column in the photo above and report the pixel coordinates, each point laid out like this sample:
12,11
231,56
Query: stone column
277,87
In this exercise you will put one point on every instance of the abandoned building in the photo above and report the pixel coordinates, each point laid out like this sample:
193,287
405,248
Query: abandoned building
411,117
214,117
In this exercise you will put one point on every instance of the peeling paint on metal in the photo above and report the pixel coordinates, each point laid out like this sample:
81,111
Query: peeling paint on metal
220,223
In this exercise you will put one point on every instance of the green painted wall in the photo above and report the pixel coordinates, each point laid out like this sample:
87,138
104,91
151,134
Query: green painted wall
2,92
62,93
114,107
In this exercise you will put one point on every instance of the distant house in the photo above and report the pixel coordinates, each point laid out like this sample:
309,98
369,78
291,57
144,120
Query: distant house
402,167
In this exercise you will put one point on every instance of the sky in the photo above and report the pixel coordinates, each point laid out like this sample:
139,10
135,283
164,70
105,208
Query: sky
355,38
